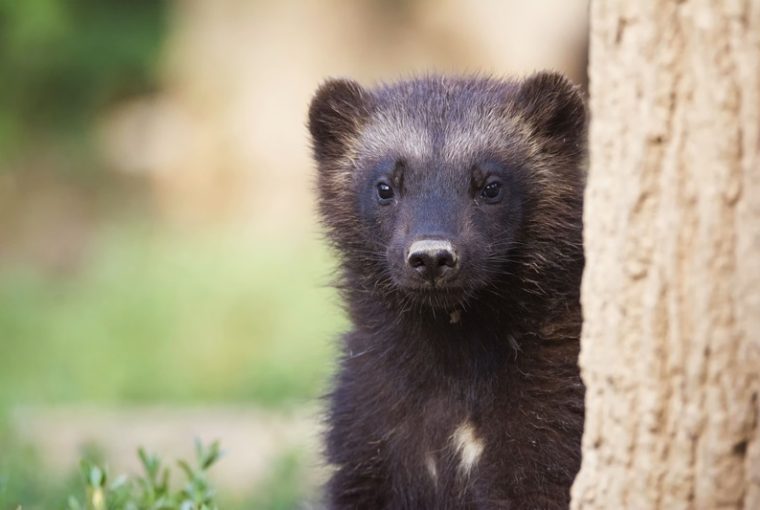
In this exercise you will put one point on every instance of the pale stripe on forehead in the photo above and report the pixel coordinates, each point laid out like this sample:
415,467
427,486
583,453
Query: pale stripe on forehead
463,137
416,141
403,135
463,144
397,135
479,129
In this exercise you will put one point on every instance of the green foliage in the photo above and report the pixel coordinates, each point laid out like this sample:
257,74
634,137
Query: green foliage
63,60
152,490
25,483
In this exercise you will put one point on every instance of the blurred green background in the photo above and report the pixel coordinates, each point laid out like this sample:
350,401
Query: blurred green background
162,274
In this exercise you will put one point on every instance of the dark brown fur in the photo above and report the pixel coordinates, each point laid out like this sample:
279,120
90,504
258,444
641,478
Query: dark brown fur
494,351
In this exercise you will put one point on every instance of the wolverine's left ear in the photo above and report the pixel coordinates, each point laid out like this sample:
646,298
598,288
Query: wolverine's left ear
336,114
553,106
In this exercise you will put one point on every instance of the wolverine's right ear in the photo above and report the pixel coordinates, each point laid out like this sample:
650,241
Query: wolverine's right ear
336,114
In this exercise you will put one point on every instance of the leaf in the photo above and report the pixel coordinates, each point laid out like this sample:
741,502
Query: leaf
151,463
210,456
97,477
189,472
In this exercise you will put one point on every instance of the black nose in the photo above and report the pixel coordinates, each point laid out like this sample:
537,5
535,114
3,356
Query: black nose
432,258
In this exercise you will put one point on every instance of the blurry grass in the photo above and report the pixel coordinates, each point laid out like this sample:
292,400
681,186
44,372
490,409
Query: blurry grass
154,315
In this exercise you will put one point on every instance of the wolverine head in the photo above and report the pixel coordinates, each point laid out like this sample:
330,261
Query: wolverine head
441,189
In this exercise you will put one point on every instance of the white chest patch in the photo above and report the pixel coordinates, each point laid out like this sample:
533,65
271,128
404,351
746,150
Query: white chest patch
431,468
468,445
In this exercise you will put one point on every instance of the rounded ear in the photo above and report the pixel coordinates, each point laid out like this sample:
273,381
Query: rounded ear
336,114
554,106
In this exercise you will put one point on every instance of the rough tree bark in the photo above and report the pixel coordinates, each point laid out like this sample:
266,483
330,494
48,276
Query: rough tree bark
671,293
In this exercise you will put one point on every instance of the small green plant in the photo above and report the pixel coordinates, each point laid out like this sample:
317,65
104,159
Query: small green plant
151,490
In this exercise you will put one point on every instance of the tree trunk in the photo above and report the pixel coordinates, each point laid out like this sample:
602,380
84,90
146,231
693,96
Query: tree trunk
671,294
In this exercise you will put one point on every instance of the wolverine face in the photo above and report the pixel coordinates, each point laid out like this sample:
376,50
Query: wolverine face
442,226
429,187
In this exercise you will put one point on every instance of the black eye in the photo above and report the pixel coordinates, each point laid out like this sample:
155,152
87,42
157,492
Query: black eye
384,193
491,192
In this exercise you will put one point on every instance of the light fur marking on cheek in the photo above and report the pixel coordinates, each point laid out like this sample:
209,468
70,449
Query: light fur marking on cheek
468,445
345,165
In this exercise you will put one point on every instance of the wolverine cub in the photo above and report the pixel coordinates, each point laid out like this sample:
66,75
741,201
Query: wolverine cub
454,205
